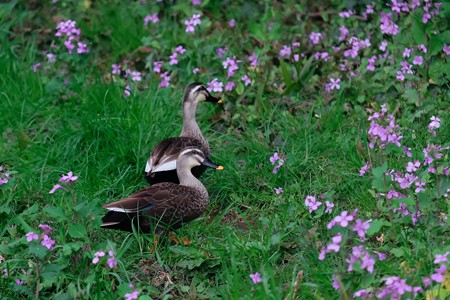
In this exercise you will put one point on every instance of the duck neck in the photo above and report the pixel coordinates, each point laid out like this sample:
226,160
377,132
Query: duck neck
190,126
187,179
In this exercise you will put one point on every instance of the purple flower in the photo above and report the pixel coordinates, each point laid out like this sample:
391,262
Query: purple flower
157,66
19,282
165,79
192,22
111,262
253,60
388,26
312,203
446,49
315,37
439,275
47,242
131,296
189,27
180,49
358,254
278,190
435,123
221,51
413,166
46,229
69,178
343,32
230,86
231,65
127,91
361,227
196,2
441,258
31,236
345,14
173,59
342,220
364,169
335,283
255,277
335,245
406,67
422,48
246,80
51,58
407,52
383,46
135,76
196,70
55,187
363,294
381,256
334,83
116,69
232,23
151,18
400,76
215,86
36,66
274,158
82,48
418,60
329,208
97,257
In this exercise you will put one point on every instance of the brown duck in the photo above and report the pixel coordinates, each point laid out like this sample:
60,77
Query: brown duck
162,164
163,205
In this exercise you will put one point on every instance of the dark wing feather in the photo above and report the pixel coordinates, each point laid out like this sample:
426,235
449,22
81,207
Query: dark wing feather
169,149
163,201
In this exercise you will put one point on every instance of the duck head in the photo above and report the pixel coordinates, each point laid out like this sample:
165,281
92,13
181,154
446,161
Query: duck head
193,157
197,92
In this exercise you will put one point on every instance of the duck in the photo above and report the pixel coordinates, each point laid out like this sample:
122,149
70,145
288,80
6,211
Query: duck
165,205
162,163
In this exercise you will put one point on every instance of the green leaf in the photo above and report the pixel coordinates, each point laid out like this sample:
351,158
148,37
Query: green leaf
424,200
56,213
275,239
51,271
398,252
37,250
240,88
375,226
77,230
379,185
190,263
418,30
436,45
379,172
439,72
411,96
286,75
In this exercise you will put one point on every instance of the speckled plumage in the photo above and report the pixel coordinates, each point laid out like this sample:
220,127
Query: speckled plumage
161,163
165,204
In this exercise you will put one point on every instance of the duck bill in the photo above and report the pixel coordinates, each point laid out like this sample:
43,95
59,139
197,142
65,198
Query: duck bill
213,99
210,164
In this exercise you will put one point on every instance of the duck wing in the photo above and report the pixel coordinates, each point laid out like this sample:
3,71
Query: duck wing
167,202
164,155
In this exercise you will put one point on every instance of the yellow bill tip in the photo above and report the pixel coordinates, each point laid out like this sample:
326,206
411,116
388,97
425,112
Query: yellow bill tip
219,168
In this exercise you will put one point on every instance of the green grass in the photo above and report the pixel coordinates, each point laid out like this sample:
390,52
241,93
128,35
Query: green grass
90,128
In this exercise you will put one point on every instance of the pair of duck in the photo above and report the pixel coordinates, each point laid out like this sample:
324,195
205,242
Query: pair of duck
175,196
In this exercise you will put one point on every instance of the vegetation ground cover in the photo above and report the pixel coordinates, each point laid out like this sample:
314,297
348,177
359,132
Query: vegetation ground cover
334,136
